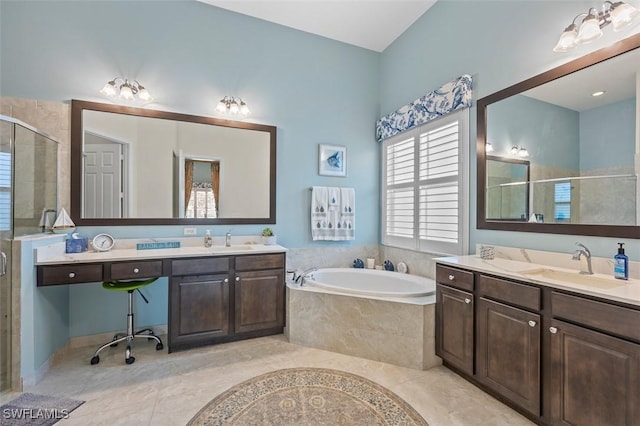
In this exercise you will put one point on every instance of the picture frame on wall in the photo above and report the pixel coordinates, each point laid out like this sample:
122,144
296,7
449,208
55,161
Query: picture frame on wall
332,160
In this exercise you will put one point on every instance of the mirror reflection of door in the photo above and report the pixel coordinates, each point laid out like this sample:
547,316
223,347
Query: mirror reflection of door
104,177
507,188
202,188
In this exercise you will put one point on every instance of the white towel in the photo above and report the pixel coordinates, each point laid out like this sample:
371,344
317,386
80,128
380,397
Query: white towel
332,213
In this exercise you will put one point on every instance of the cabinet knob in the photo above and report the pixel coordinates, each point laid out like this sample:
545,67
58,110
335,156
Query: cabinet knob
72,274
532,323
136,270
553,330
467,300
237,279
452,277
226,280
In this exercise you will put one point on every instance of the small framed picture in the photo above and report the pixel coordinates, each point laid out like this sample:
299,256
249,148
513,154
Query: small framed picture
332,160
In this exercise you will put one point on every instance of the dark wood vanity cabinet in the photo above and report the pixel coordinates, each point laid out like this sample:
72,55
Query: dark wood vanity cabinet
508,340
454,327
581,368
222,299
595,362
454,317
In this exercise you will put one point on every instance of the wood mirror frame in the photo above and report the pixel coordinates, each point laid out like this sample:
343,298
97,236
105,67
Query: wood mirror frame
588,60
77,108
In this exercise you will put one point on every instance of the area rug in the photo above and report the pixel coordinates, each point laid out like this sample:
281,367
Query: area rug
36,410
307,396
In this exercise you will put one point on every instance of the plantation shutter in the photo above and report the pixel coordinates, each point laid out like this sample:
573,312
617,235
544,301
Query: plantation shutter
424,187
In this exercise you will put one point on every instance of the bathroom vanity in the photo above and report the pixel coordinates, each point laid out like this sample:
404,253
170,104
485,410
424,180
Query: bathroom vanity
216,295
560,347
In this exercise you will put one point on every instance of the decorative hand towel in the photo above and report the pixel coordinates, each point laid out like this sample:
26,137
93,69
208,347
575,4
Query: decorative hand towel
332,213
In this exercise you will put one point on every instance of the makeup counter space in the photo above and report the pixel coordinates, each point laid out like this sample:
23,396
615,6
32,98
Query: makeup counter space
216,294
559,346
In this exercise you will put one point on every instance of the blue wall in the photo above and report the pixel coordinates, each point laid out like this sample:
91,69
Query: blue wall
313,89
499,43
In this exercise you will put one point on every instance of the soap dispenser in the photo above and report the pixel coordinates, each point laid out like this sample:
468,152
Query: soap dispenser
621,264
208,240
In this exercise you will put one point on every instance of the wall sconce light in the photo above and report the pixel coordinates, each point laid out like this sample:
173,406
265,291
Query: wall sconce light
519,151
620,14
488,147
232,105
126,91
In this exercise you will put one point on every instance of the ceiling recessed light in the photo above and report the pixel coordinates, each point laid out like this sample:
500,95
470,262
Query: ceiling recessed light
600,93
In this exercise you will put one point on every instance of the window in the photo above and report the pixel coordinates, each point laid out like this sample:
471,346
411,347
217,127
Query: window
424,186
202,203
562,202
5,191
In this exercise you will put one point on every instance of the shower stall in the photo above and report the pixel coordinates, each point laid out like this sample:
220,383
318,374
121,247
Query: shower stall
28,198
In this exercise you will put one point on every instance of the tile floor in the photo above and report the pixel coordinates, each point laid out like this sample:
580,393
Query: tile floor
168,389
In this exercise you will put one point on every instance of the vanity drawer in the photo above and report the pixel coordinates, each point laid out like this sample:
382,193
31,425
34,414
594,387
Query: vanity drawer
259,261
137,269
199,265
454,277
510,292
69,274
599,315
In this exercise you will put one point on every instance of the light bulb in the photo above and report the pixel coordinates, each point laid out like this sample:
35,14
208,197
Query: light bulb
623,15
488,147
143,94
233,108
244,109
567,39
222,106
589,30
109,89
125,92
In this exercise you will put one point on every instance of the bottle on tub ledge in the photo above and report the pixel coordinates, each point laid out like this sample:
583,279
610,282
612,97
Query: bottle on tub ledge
621,264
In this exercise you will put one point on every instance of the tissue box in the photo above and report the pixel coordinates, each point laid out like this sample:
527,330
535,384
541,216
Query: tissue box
77,245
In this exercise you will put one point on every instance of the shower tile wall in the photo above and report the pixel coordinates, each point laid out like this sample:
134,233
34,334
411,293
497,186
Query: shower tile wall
53,118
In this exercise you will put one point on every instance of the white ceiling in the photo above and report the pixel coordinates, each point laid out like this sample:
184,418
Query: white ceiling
371,24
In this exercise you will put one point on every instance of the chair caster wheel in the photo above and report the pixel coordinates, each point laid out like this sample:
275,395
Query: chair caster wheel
159,347
95,360
127,356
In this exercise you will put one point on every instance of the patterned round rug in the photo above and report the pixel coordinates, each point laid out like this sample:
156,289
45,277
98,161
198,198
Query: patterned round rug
308,396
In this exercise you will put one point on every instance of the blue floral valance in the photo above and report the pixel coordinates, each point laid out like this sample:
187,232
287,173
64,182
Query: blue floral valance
452,96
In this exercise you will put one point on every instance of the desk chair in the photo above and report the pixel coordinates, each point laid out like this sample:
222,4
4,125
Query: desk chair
147,333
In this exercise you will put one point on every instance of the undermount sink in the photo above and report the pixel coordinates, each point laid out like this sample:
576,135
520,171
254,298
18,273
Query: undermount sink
598,281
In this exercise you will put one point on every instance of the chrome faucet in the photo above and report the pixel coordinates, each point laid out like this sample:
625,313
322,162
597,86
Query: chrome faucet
228,240
587,254
302,276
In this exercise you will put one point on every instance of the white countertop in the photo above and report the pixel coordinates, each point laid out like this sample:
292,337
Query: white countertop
612,289
54,254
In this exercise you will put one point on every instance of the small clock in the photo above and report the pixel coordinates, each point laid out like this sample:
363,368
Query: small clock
103,242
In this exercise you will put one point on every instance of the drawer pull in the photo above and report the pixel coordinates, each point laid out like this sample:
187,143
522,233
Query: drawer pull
553,330
467,300
532,323
226,280
452,277
136,270
72,274
237,279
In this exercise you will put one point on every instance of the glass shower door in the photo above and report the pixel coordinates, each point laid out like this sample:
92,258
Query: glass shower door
6,139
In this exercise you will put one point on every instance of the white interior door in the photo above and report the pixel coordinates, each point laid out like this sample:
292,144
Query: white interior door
103,180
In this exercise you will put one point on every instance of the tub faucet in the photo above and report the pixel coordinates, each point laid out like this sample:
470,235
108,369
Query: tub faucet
587,254
303,275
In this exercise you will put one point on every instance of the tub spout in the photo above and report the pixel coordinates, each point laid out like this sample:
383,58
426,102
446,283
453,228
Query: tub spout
299,278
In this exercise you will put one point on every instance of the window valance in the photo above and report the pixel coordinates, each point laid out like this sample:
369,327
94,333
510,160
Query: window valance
452,96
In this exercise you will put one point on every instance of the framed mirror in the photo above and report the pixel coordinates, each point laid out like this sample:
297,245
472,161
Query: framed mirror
136,166
582,149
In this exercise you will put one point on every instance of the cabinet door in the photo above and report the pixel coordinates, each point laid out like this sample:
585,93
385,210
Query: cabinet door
595,378
199,308
508,352
259,300
454,327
